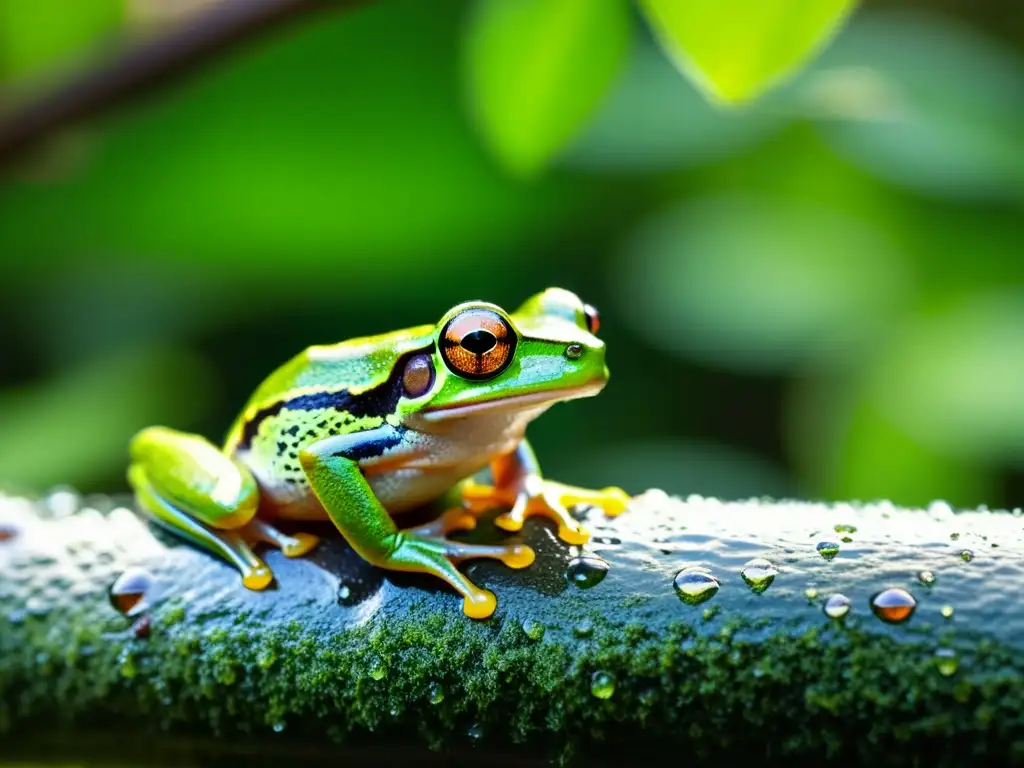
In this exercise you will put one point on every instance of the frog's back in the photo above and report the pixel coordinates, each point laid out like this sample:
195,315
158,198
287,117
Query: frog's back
322,391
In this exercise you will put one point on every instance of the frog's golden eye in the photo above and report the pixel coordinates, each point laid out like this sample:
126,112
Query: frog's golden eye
593,318
477,344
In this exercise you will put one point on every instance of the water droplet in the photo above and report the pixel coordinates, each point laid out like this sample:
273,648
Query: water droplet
8,531
128,592
607,541
837,606
759,574
344,595
533,629
583,629
695,585
395,711
828,549
840,528
946,611
811,593
967,555
602,684
946,662
436,693
377,670
926,577
586,571
279,726
475,731
266,658
940,508
954,537
63,502
893,605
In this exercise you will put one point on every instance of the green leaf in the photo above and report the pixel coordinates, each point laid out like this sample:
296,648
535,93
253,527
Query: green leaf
538,69
735,51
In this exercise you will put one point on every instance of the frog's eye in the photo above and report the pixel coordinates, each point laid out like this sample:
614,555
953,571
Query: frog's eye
418,376
593,318
477,344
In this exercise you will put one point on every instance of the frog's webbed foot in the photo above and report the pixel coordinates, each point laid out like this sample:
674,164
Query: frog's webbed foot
424,551
535,496
349,501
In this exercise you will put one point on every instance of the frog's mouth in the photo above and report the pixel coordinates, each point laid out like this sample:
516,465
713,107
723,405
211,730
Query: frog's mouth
511,403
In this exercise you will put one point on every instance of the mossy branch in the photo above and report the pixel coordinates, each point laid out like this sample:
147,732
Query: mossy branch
342,660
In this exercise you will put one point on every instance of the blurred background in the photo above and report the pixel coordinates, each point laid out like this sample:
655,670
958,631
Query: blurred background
820,294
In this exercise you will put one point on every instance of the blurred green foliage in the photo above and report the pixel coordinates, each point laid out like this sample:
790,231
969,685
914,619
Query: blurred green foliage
820,293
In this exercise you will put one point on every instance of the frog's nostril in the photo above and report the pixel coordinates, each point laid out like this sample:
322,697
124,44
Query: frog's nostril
574,351
479,342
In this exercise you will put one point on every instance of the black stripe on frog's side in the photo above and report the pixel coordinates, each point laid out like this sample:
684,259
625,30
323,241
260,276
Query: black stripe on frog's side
378,401
383,438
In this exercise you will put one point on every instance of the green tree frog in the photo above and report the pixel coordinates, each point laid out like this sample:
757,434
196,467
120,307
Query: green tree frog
363,430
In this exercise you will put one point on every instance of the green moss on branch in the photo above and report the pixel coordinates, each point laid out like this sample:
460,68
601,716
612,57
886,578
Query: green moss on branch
339,658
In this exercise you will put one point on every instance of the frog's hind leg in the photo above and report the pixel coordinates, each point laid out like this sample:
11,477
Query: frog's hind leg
188,486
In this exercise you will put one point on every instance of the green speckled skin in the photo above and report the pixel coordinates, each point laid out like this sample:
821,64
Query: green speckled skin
344,662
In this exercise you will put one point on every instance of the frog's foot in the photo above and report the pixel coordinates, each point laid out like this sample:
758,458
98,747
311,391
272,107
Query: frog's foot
449,521
433,554
546,498
290,546
229,544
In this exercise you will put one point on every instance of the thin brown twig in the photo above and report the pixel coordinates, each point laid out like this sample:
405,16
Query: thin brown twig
139,69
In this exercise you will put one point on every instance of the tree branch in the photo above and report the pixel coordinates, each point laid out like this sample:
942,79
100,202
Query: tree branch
617,659
141,68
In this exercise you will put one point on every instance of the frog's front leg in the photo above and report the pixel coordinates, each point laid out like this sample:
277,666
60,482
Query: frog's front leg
332,467
190,487
518,484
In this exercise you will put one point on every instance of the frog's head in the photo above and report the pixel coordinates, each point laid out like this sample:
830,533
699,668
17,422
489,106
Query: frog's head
486,360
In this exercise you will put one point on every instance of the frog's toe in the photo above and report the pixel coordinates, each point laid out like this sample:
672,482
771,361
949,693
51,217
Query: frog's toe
290,545
513,520
479,604
479,497
438,557
513,555
300,544
612,500
257,578
449,521
544,504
